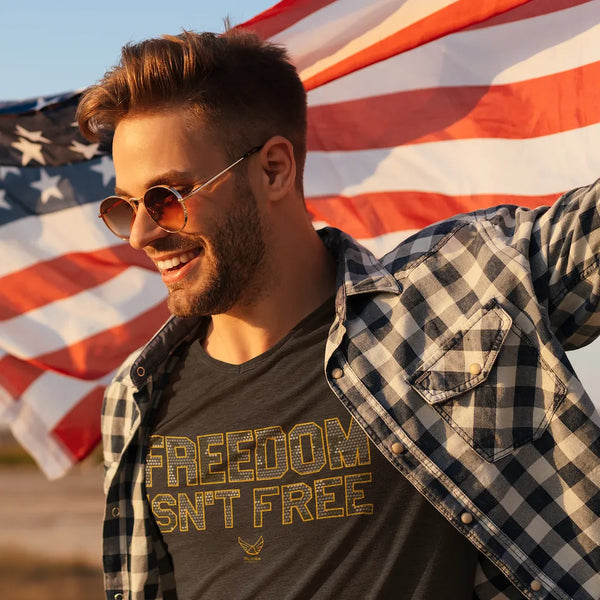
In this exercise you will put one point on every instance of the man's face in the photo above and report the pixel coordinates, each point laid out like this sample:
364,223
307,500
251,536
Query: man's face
217,261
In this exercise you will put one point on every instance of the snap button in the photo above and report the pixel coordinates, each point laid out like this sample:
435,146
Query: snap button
397,448
115,511
466,518
141,372
118,596
475,369
535,585
337,373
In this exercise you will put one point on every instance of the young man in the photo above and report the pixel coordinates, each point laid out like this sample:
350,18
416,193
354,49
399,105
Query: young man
316,423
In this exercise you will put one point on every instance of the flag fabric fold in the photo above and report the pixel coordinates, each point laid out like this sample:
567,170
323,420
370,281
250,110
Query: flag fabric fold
417,110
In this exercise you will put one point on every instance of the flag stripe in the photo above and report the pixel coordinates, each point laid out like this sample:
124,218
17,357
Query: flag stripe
56,233
532,108
88,313
376,214
446,167
88,359
51,280
283,15
79,428
452,61
533,8
440,23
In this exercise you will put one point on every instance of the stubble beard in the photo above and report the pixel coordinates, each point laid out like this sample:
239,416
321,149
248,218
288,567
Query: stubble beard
234,270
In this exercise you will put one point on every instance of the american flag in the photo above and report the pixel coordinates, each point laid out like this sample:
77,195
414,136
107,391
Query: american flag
418,109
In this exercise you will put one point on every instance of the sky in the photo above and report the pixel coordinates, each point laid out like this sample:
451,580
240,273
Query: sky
48,47
51,47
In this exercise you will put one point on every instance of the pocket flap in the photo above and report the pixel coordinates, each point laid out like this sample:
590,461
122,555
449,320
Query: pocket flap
466,358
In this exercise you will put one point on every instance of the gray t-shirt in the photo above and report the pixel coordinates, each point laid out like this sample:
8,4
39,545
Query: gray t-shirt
263,486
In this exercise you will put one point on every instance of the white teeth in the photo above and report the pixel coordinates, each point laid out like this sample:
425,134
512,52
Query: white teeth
164,265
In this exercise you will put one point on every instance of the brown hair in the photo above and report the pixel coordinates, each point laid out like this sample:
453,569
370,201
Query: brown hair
245,90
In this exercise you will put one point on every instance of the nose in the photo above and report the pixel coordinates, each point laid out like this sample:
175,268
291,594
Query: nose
144,230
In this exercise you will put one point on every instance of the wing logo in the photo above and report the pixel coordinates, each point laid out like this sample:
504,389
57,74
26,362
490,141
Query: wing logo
252,549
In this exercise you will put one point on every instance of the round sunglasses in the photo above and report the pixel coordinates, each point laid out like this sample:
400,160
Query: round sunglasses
164,205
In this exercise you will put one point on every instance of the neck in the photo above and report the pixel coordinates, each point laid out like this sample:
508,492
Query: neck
296,284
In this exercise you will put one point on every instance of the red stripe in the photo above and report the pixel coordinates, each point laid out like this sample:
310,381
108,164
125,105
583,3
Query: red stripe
533,108
64,276
79,429
99,354
533,8
283,15
17,375
457,16
89,359
375,214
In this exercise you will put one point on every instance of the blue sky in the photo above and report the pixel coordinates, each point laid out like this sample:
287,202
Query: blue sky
47,47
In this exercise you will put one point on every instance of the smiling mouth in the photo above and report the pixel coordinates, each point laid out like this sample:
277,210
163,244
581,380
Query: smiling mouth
177,262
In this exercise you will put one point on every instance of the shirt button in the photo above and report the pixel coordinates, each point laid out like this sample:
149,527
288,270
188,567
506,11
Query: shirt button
466,518
141,372
115,511
475,369
337,373
397,448
535,585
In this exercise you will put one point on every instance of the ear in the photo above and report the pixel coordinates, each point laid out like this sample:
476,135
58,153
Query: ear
278,174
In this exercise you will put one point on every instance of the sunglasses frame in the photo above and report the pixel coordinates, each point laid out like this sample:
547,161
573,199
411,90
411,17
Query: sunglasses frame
135,202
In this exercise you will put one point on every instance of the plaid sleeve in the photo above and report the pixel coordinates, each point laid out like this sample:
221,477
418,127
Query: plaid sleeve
562,245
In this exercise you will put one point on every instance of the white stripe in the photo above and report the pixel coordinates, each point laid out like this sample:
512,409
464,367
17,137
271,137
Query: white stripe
52,395
32,239
345,28
538,166
542,46
31,431
378,245
73,319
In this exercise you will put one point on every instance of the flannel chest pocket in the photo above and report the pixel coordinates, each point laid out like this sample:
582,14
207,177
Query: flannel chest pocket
489,383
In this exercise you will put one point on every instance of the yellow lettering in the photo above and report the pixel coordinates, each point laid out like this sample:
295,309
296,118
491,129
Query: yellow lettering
295,496
209,460
307,448
237,455
181,454
353,495
260,506
166,518
323,498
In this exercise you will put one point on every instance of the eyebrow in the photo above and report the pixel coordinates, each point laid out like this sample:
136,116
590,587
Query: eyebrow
171,178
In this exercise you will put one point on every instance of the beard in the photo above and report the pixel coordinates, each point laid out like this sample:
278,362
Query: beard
233,261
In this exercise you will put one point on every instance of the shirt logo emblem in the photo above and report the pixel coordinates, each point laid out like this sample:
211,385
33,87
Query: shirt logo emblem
252,549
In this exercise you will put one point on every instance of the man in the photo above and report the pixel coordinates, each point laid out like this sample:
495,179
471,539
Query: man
291,431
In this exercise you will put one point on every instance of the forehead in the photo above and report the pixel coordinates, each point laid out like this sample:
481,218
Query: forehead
145,146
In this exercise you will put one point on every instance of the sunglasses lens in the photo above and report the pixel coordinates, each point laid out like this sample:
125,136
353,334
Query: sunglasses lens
164,208
118,216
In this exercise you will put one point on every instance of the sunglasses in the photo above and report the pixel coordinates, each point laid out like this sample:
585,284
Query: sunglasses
164,205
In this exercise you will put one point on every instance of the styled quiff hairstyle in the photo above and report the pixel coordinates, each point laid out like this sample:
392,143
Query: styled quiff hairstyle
245,90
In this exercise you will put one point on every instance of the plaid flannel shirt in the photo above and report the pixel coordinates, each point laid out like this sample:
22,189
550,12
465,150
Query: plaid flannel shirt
450,352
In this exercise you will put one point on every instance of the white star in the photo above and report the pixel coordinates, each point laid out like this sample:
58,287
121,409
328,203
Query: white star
48,186
88,150
32,136
30,151
3,202
4,171
42,102
106,168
